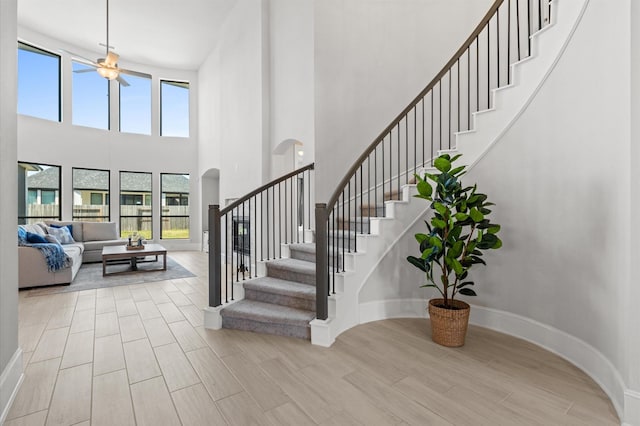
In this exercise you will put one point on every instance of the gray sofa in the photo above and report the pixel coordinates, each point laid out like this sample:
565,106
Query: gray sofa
90,238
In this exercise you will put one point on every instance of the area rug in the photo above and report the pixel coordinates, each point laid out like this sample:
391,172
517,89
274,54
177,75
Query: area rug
90,276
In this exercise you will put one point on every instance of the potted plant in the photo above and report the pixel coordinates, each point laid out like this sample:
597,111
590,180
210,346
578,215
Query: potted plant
458,232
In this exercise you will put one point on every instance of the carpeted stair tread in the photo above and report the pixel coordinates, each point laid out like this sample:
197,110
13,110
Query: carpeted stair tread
268,313
281,287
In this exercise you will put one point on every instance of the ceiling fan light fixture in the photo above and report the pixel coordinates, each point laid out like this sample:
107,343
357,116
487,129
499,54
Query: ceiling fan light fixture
108,73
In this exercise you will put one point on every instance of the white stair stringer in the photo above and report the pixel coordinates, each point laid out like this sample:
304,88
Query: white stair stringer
528,75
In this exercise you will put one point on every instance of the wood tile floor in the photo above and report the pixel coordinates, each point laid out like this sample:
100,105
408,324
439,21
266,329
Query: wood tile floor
139,355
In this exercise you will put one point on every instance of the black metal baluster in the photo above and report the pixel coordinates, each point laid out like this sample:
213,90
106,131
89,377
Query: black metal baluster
488,65
432,129
528,27
368,194
261,227
469,88
406,150
498,45
342,226
242,254
415,138
235,235
361,201
398,159
440,114
251,226
508,42
286,223
518,26
423,147
226,257
539,15
458,116
478,72
279,220
267,223
273,218
348,218
449,115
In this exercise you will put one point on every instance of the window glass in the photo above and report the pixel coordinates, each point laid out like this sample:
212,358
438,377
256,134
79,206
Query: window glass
135,105
174,109
38,192
135,214
38,83
91,195
90,99
174,213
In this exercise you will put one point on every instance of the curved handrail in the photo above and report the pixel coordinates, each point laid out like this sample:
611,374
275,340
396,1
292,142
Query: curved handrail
264,187
466,45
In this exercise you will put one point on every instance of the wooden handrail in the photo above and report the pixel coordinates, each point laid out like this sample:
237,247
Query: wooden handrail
264,187
466,45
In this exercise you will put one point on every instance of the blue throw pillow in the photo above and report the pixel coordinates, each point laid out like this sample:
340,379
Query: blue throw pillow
35,238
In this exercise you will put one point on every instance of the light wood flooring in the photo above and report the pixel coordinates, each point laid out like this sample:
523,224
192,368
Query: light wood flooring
139,355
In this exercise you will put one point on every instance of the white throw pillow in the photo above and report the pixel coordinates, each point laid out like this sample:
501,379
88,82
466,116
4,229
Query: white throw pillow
52,239
62,234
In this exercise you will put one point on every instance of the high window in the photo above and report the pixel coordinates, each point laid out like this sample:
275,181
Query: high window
38,83
174,211
135,105
38,192
135,204
90,99
174,108
91,195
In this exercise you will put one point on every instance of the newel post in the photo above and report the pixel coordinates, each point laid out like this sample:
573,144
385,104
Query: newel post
215,266
322,266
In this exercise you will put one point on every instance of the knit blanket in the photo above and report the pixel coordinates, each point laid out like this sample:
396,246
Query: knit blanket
55,256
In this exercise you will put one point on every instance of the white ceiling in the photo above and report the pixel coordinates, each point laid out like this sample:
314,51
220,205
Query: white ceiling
167,33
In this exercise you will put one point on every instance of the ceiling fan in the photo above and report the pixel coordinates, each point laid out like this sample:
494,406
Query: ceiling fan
107,67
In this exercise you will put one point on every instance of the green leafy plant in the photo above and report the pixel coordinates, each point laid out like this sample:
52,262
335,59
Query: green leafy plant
459,230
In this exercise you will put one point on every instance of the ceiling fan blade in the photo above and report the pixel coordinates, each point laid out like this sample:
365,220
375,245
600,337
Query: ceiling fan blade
134,73
111,59
80,58
85,70
122,81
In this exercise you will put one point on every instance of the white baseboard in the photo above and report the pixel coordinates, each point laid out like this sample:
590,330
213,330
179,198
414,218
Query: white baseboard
396,308
10,382
631,408
576,351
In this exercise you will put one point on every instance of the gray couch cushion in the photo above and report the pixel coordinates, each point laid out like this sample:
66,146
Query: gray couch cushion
99,231
97,245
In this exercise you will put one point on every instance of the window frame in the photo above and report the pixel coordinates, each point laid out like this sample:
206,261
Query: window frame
35,49
74,217
161,104
163,216
25,219
150,193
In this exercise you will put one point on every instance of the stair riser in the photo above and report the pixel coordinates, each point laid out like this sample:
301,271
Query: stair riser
298,332
290,275
371,211
303,255
279,299
357,225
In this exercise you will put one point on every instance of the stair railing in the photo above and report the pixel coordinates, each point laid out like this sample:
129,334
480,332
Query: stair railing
428,124
253,228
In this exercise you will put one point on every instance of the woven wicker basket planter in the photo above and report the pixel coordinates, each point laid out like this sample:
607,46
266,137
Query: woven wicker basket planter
449,326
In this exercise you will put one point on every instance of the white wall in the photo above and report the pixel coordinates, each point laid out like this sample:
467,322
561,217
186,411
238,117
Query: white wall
371,59
291,78
632,319
10,359
61,143
231,107
566,195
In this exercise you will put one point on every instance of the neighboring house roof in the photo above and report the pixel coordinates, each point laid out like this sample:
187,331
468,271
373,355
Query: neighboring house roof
90,179
135,182
175,183
93,179
48,178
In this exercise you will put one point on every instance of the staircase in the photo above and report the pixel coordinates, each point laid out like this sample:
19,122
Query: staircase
283,302
362,223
